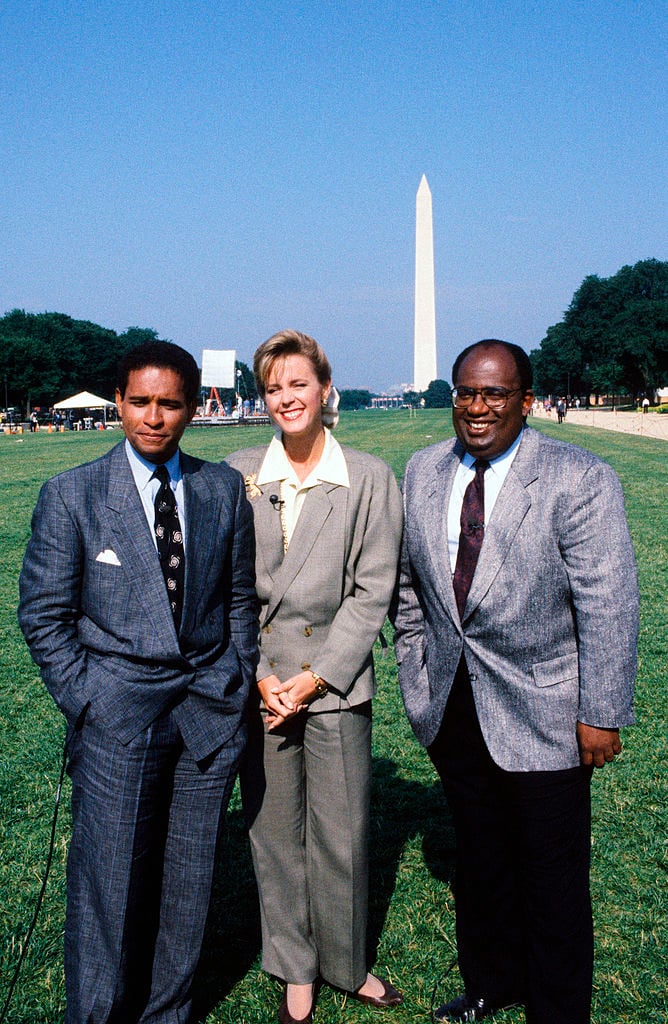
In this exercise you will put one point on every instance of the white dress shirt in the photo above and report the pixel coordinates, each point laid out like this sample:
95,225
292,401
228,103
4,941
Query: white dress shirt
494,477
330,469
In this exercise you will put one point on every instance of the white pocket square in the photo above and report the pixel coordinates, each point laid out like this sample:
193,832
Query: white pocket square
108,556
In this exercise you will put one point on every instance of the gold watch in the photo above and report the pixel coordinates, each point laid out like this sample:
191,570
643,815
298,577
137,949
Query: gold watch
321,687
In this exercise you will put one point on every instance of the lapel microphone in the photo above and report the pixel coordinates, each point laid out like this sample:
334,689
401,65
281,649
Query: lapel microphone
276,502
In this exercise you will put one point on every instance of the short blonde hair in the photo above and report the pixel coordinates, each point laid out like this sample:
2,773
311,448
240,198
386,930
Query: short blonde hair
289,343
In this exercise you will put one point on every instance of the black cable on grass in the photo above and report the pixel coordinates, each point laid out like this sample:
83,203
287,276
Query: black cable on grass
40,898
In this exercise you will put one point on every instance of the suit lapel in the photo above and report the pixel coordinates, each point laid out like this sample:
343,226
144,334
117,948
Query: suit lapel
435,504
318,506
268,528
134,545
200,515
267,521
510,508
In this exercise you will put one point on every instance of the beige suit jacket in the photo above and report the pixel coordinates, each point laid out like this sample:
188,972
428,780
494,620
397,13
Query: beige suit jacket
324,603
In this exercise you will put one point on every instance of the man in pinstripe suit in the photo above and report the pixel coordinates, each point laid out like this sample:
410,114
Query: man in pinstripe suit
153,687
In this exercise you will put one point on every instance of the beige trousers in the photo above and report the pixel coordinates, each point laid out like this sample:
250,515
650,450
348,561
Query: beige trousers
306,790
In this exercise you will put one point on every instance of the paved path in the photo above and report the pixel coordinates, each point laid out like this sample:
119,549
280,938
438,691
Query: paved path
650,424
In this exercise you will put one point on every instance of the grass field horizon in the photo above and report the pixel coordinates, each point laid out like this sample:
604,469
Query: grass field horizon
411,906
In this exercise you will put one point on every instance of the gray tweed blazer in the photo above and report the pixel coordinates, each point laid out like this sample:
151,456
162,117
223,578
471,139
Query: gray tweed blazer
550,627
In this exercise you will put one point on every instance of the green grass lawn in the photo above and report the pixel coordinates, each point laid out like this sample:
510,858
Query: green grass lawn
412,919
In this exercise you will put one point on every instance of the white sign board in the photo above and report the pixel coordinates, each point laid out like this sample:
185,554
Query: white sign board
218,368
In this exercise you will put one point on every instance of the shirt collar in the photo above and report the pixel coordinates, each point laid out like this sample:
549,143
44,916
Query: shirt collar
331,469
501,462
143,470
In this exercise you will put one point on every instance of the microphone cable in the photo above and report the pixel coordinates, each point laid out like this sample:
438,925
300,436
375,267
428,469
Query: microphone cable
439,981
40,898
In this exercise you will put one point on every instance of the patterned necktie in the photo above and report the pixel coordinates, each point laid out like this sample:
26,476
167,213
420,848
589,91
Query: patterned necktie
472,531
170,543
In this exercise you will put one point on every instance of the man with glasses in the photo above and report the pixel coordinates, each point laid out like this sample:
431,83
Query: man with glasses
516,641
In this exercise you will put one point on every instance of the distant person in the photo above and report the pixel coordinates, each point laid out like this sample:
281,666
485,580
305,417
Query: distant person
516,636
328,528
34,422
645,404
137,603
561,410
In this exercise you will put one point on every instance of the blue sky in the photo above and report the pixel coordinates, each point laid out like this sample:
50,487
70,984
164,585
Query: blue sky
218,171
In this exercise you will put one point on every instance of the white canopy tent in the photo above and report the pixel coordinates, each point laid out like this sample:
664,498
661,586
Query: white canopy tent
85,400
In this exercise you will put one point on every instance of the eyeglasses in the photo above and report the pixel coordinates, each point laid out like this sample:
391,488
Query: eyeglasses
494,398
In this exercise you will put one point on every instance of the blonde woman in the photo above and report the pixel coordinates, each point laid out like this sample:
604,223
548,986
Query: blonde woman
328,528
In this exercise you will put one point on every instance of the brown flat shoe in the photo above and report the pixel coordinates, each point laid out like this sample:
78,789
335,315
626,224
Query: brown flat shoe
390,997
285,1017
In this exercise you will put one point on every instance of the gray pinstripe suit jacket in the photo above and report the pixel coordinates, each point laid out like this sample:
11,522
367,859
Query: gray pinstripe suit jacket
101,630
550,627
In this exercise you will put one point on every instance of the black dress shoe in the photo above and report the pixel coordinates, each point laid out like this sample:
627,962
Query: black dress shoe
466,1008
390,997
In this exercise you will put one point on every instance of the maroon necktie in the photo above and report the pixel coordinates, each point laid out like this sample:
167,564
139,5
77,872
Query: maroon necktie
472,531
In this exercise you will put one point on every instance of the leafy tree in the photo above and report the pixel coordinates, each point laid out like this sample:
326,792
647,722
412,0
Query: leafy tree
613,337
641,332
437,395
355,398
135,336
45,357
559,365
608,378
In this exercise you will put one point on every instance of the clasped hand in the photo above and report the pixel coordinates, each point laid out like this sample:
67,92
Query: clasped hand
285,700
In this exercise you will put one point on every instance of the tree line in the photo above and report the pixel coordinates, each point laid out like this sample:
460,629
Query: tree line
46,357
437,396
613,338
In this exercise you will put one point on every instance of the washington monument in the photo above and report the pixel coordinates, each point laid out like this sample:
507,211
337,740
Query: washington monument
424,344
